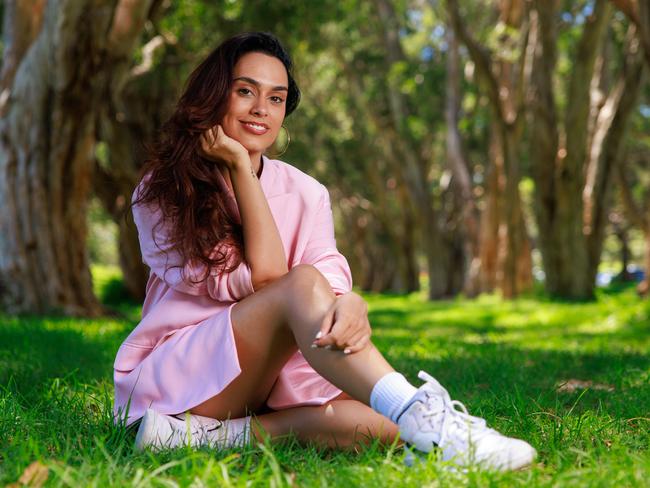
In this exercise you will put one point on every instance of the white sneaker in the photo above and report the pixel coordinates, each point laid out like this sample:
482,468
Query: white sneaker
158,431
433,420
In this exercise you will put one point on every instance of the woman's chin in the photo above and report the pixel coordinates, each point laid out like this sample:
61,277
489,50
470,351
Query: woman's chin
254,148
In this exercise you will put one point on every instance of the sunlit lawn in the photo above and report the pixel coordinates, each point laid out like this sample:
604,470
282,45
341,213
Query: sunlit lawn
572,379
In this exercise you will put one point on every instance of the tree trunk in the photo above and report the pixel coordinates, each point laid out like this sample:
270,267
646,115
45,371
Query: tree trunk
504,259
114,195
483,273
516,269
136,101
46,163
573,179
638,11
387,246
608,138
459,166
639,215
45,166
415,168
643,288
623,239
409,269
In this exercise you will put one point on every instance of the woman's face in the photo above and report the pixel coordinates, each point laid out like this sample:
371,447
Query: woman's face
257,102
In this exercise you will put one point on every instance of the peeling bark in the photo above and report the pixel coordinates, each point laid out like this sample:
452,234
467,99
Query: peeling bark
51,88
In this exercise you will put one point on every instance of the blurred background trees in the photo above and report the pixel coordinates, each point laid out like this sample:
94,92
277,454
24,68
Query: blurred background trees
469,147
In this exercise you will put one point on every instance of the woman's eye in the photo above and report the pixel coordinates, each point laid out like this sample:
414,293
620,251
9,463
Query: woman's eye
244,91
277,99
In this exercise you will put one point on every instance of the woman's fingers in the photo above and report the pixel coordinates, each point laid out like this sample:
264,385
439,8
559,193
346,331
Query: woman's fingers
361,339
325,328
206,142
353,345
342,329
358,344
208,138
344,333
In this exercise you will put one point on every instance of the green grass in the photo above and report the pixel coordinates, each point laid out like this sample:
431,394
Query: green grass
504,360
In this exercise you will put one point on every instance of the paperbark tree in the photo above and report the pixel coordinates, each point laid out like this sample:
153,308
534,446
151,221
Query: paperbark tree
55,64
638,11
393,207
574,156
135,104
379,216
440,247
637,211
460,169
504,254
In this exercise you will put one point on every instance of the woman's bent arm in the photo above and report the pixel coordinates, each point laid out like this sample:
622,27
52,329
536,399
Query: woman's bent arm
263,246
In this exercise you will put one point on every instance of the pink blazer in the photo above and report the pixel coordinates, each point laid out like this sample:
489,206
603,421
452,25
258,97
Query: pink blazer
301,208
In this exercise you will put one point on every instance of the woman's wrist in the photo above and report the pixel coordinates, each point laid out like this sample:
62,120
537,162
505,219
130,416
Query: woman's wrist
241,165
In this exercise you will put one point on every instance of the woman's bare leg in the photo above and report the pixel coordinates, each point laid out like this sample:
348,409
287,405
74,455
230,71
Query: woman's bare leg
337,424
269,325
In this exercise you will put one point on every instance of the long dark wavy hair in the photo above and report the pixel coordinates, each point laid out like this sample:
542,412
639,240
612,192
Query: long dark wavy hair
182,183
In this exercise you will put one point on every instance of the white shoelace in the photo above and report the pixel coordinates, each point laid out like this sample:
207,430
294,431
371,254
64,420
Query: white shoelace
454,412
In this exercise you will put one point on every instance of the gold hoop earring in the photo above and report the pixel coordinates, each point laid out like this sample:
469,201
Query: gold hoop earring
286,145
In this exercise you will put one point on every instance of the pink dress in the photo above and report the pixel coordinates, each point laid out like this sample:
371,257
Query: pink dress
183,350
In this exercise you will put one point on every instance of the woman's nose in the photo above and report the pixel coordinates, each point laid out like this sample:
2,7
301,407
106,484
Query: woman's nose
259,109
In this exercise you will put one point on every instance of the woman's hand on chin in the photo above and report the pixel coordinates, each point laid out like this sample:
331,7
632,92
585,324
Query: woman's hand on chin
217,146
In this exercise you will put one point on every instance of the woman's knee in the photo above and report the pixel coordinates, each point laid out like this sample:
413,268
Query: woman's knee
307,279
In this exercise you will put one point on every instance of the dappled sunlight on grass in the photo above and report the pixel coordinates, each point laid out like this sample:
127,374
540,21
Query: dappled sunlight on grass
614,321
571,378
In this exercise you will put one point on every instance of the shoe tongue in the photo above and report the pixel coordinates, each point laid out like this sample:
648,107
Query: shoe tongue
435,390
431,396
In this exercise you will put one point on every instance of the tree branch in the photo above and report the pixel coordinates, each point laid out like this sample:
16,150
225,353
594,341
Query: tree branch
578,93
607,142
632,209
481,57
22,20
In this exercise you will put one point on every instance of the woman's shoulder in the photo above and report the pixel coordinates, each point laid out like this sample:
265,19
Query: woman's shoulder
293,179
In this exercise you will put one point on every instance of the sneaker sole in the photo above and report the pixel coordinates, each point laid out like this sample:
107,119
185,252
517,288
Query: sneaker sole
519,463
413,456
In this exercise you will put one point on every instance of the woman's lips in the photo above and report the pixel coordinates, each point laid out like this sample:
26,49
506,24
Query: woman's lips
253,128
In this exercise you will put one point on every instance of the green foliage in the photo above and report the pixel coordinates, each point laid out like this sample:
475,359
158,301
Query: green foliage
102,235
510,362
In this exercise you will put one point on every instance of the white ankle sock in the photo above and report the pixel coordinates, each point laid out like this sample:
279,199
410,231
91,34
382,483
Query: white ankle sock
391,394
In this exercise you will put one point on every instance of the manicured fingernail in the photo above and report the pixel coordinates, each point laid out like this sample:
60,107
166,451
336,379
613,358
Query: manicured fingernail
328,347
319,335
346,351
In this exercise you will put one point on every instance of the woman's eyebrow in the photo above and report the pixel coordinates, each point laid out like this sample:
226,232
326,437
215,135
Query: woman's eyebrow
258,84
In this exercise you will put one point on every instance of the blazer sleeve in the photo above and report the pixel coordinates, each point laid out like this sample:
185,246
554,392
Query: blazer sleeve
321,251
168,265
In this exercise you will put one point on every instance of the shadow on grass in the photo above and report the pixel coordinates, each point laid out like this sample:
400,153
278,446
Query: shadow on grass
35,350
471,347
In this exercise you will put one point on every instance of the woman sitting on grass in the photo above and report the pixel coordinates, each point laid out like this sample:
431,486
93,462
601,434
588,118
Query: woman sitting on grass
249,308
